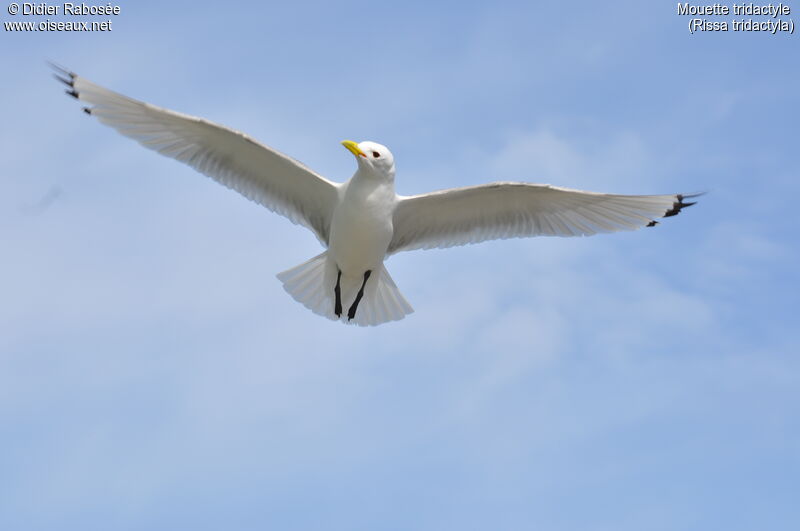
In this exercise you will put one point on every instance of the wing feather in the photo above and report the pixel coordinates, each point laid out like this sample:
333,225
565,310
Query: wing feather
231,158
514,210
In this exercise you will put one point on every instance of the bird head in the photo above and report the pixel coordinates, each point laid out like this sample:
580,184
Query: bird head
372,158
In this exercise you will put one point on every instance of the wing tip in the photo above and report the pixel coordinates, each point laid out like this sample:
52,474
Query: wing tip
61,69
677,206
67,77
680,203
67,81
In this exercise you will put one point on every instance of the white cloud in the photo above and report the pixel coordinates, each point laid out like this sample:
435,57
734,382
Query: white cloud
619,162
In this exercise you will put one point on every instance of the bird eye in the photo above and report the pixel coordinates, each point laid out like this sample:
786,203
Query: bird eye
376,154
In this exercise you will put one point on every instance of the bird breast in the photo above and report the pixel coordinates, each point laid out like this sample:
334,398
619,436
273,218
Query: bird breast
361,228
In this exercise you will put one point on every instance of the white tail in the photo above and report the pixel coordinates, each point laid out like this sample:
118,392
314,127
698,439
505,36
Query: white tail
311,284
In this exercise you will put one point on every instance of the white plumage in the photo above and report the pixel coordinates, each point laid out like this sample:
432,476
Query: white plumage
363,221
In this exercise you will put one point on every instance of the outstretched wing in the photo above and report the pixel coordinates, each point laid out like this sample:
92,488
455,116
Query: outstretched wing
513,210
256,171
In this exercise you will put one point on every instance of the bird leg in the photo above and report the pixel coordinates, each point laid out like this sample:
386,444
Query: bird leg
337,308
352,311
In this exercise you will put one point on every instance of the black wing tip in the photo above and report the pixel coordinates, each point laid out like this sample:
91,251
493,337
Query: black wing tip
63,71
67,81
67,77
681,203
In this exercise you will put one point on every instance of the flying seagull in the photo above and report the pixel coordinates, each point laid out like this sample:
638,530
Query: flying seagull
363,221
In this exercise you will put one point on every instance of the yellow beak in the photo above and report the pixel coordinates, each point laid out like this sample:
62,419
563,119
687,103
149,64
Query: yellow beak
352,147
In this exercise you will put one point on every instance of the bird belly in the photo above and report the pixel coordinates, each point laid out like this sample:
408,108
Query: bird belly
360,235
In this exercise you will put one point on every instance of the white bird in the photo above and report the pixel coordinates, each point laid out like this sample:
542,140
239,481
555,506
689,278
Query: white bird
363,221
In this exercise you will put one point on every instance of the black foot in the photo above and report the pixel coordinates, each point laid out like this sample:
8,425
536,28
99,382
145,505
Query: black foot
352,311
337,307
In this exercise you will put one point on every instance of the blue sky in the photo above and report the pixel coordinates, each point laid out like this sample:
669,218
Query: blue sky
154,375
